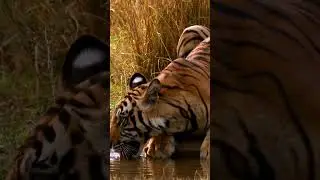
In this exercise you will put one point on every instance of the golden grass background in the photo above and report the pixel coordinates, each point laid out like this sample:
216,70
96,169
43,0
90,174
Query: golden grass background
144,36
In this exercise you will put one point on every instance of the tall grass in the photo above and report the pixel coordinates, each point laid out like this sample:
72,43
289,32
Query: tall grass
144,36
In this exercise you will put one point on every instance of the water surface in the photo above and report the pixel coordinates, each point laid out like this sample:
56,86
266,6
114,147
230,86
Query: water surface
185,164
182,168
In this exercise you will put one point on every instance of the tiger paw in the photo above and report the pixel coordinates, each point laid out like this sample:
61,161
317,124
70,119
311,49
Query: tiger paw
205,147
159,147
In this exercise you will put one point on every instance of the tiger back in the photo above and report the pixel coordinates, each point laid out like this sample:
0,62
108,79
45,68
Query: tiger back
70,140
176,101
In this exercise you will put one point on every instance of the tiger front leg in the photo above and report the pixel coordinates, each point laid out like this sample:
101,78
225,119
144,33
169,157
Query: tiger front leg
205,147
159,147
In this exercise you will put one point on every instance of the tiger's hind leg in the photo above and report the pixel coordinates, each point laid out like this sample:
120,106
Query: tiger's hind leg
205,147
159,147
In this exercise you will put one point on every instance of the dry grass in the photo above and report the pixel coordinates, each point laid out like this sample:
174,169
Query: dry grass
144,35
34,37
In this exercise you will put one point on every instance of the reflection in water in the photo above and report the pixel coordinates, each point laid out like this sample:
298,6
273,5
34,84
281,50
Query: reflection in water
184,168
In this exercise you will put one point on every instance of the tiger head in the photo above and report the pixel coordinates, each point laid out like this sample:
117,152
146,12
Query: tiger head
148,109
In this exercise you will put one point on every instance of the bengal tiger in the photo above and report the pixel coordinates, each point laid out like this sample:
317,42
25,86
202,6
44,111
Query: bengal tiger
265,85
176,101
71,139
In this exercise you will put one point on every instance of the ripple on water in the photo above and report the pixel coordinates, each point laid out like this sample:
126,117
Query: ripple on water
188,168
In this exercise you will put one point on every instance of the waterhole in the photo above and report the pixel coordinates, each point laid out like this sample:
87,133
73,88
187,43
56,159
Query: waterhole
185,165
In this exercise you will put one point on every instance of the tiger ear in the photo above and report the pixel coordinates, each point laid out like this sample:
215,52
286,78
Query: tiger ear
136,80
152,94
86,57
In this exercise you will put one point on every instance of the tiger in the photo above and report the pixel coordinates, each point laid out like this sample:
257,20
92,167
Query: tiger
173,103
265,85
70,141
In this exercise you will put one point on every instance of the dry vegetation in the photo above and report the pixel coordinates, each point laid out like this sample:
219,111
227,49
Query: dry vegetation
144,36
34,37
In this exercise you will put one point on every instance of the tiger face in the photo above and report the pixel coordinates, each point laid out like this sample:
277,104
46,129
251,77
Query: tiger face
132,122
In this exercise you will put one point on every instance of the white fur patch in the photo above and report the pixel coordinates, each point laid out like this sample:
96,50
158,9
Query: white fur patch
88,57
158,122
137,80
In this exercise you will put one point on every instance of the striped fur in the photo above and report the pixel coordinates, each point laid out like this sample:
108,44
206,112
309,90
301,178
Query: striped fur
70,140
175,102
265,82
190,38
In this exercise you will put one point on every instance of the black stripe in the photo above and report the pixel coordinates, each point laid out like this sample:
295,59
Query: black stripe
64,118
288,19
89,93
255,45
76,137
140,118
48,132
207,35
193,119
187,40
128,97
61,101
84,115
206,71
220,7
266,172
205,105
37,145
226,86
236,13
190,66
101,79
294,117
77,103
235,161
132,119
136,92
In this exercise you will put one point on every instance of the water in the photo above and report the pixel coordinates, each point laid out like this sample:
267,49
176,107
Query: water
186,168
186,165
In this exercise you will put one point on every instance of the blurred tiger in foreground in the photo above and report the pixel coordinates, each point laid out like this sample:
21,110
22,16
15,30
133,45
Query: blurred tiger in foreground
265,83
71,138
176,101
